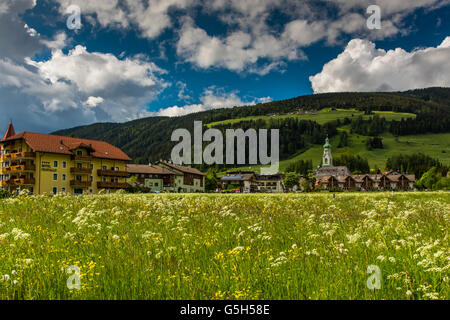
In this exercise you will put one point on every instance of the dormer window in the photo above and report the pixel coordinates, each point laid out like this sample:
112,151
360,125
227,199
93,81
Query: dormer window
79,153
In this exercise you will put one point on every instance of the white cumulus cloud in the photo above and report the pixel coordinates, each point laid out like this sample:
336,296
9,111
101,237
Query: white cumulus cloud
212,98
363,67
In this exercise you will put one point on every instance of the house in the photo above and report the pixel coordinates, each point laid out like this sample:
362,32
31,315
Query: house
249,181
49,164
270,183
243,181
187,179
332,177
153,177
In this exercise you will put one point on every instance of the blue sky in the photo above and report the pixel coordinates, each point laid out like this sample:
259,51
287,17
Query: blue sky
140,58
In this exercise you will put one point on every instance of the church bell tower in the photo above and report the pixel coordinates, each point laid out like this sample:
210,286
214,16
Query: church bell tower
327,159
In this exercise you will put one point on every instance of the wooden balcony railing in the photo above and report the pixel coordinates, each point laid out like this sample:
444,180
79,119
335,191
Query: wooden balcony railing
19,168
19,155
112,185
23,155
81,171
112,173
82,158
18,182
80,184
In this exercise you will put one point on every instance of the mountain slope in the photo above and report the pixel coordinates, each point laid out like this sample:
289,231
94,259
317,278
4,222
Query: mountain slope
148,139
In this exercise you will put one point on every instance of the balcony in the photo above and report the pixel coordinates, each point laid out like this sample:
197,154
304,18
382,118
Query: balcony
19,168
81,171
82,158
23,155
18,155
112,185
112,173
80,184
18,182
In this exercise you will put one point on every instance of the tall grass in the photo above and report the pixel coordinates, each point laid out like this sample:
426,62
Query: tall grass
226,246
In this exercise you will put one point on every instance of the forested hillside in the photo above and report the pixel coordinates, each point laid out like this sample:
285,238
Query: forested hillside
148,140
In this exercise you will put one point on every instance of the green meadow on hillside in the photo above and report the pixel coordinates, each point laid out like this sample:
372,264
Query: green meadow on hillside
429,144
434,145
323,116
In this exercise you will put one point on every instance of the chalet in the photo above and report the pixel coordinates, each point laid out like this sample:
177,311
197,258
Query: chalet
249,181
153,177
187,179
243,181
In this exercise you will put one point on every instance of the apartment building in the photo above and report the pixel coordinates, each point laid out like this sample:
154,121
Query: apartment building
49,164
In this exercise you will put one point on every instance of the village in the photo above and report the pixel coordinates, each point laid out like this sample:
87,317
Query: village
48,164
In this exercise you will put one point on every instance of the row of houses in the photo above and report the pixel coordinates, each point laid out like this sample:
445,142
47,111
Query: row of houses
50,164
331,177
385,181
248,181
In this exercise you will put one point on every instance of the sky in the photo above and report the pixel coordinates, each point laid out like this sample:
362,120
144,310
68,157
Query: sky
129,59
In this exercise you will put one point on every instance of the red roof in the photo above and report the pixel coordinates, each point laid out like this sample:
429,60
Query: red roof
63,145
9,132
148,169
183,169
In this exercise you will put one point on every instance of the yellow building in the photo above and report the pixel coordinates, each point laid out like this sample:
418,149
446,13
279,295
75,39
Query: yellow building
49,164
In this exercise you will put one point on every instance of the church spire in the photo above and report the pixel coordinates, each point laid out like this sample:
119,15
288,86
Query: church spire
327,159
10,132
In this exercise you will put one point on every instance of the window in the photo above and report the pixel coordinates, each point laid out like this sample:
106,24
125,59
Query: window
92,179
55,164
91,191
117,168
64,177
156,184
55,177
92,166
78,178
63,190
79,165
79,153
55,190
104,168
64,164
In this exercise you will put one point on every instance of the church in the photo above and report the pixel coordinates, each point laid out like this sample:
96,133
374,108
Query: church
330,177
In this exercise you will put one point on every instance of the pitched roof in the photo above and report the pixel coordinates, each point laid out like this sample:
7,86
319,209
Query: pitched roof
183,169
40,142
148,169
332,171
9,132
238,176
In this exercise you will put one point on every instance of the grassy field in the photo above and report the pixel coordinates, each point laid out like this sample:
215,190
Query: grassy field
323,116
226,246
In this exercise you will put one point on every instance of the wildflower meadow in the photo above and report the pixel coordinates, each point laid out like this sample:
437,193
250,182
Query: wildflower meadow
173,246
